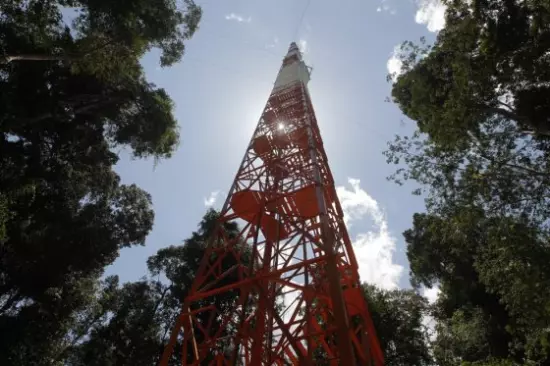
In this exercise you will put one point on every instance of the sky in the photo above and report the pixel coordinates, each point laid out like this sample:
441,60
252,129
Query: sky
222,85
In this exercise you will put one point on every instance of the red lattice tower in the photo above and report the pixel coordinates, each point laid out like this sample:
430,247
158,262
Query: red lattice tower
285,290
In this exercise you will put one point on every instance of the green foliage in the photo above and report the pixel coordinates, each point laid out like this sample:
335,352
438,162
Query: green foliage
131,324
489,61
108,36
444,251
181,263
69,95
96,81
133,27
130,336
62,244
463,337
479,96
490,271
398,319
35,332
493,362
4,216
502,171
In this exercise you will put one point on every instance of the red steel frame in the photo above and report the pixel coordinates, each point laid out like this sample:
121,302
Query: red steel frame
298,301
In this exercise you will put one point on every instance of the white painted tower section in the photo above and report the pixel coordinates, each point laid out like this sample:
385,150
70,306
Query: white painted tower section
293,72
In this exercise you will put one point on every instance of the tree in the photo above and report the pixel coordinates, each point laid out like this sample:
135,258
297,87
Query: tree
134,326
398,319
462,338
489,271
47,265
442,252
106,33
132,334
489,61
93,69
69,97
34,333
502,171
123,110
479,96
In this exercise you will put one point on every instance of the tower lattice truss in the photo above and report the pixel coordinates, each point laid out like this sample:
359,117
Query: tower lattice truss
285,290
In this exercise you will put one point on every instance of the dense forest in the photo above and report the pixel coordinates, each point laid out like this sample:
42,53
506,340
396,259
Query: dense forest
479,96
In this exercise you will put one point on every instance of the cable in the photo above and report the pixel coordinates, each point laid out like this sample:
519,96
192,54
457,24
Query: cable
301,19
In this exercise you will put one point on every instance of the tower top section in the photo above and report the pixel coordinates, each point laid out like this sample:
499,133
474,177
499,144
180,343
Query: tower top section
293,49
294,70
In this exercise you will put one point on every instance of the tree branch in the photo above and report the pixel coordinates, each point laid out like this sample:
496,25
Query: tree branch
515,117
505,113
33,57
511,109
9,302
528,170
106,100
78,337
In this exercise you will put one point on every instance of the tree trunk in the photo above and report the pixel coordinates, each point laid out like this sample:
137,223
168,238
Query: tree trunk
32,57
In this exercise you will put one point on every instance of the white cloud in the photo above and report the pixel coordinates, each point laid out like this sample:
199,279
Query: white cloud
303,46
273,43
211,200
238,18
428,321
429,324
506,97
356,203
384,6
431,294
431,13
290,302
394,64
373,248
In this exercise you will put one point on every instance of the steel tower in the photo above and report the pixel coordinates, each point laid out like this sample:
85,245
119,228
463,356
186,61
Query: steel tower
285,290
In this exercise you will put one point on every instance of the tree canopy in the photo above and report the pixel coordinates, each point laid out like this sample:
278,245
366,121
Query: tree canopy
480,157
71,94
398,317
491,59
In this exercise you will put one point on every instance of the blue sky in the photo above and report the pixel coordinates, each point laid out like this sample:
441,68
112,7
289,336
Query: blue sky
220,89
